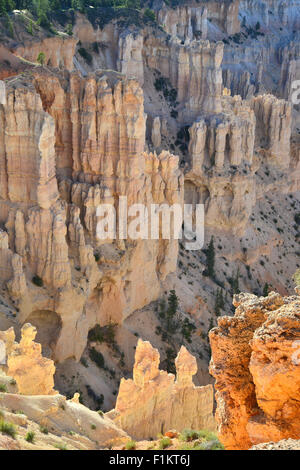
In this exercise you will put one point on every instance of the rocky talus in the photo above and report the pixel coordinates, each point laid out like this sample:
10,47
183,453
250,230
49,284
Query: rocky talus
255,361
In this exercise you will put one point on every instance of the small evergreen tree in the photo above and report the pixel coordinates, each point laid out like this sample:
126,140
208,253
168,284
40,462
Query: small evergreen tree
219,302
266,290
234,281
210,259
172,310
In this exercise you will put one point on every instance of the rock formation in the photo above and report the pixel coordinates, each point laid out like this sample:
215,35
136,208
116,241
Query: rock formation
32,372
255,361
42,119
59,52
273,118
98,122
194,70
191,21
155,401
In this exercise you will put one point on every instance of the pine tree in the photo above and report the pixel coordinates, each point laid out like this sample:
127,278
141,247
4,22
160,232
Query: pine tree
266,290
172,309
234,281
210,259
219,302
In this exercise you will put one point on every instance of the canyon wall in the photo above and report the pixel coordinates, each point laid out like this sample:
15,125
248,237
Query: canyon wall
193,20
96,130
77,133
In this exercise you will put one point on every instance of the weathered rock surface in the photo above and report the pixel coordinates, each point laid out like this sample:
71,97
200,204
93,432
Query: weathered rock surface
87,137
288,444
191,20
155,401
256,366
69,425
25,363
59,52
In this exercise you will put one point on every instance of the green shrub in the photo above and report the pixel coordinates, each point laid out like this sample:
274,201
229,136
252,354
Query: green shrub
149,16
130,445
44,430
3,388
164,443
188,435
38,281
8,428
69,29
30,437
41,60
60,446
204,440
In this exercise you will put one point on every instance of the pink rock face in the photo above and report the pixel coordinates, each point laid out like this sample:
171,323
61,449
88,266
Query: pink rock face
256,367
155,402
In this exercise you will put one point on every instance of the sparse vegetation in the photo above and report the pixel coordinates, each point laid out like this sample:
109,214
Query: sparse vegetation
219,302
200,440
210,259
164,443
8,428
85,55
30,437
44,430
130,445
60,446
38,281
97,358
41,58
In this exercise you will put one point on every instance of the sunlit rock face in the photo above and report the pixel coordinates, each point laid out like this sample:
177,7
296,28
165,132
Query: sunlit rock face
256,366
155,401
32,373
75,143
75,134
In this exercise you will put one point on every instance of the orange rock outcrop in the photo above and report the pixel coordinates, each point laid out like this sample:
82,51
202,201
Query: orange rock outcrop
33,373
256,364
